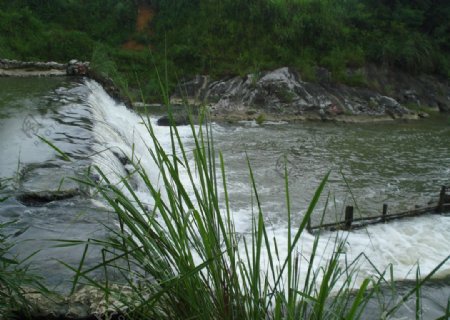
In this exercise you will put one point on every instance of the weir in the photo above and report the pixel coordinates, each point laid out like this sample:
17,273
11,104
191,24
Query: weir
351,223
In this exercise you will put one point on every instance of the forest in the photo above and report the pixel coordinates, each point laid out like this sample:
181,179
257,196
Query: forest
229,37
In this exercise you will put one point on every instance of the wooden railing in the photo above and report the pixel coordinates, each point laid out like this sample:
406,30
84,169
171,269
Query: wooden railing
351,223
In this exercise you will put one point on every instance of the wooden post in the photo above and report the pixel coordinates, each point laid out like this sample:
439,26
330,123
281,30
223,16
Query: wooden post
384,214
440,207
348,217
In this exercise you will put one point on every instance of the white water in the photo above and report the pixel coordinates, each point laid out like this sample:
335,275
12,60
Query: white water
405,244
119,130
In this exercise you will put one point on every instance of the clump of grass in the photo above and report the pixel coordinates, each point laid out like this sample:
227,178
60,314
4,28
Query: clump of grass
183,259
260,118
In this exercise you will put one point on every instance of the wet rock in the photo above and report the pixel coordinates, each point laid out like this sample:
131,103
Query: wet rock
178,120
44,183
444,107
124,160
41,198
423,115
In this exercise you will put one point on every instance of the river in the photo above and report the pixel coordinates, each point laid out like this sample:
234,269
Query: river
402,164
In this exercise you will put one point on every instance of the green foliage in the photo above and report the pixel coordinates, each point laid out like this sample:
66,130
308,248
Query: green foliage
20,33
260,118
234,37
62,45
231,36
103,62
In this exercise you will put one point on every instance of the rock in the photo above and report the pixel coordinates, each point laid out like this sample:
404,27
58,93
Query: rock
77,68
323,75
124,160
388,102
444,107
34,190
85,303
33,199
282,95
179,120
193,87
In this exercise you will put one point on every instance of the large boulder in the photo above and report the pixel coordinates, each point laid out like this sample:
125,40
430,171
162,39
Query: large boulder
177,120
282,94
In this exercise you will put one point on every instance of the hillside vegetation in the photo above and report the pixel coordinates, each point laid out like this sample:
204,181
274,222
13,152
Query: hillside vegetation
229,37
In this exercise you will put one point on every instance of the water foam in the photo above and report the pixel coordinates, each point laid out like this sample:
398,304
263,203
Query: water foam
120,132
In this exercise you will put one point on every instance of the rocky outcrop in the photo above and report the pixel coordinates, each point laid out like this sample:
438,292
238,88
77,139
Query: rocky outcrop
283,95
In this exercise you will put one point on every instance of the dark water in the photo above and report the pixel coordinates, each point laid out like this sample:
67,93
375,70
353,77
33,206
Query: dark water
402,164
55,109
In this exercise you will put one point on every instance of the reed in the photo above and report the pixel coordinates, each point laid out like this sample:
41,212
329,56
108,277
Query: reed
183,259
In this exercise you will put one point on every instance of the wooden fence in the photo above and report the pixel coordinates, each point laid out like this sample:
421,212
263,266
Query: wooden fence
351,223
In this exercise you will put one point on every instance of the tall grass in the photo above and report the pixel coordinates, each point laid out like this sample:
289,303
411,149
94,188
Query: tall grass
183,259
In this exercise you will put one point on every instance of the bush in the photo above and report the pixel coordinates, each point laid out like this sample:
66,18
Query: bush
62,45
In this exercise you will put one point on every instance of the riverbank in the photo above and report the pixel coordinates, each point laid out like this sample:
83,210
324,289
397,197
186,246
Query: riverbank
281,94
